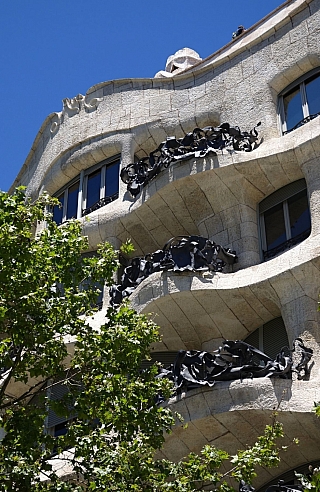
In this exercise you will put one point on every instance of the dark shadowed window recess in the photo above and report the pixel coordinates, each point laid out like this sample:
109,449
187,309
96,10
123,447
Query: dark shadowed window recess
165,358
300,102
284,219
57,425
270,338
91,190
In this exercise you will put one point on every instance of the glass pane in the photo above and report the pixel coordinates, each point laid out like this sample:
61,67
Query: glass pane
93,188
292,108
58,211
72,205
313,94
299,213
275,226
112,179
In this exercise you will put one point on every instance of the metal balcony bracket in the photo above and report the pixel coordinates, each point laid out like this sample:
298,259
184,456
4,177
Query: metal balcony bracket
181,253
198,143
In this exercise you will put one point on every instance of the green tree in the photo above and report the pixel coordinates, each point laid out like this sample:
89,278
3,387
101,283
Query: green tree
47,294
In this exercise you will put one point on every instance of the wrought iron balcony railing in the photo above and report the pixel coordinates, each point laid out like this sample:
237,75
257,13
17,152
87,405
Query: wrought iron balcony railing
181,253
302,122
286,245
100,203
235,360
198,143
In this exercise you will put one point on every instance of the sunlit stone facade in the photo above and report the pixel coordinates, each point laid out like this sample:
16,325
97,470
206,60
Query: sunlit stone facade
263,204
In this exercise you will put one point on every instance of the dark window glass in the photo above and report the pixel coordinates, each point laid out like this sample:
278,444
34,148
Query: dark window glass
60,429
275,226
292,108
112,179
313,94
299,213
72,207
58,211
274,338
93,188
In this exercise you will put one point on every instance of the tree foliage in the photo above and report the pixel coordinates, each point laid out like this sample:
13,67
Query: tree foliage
47,299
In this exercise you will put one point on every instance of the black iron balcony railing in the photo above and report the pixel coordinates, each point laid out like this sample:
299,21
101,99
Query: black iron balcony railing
235,360
100,203
302,122
198,143
181,253
286,245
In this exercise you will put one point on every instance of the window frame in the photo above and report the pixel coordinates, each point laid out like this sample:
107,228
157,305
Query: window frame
300,84
282,195
82,178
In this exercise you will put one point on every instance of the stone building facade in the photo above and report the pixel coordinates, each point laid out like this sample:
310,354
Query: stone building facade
264,204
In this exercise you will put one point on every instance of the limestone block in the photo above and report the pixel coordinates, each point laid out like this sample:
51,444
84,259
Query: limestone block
175,448
310,272
255,175
195,200
192,438
181,407
210,226
287,287
245,244
197,405
161,235
234,233
227,442
268,297
210,427
245,314
181,324
248,228
148,217
273,171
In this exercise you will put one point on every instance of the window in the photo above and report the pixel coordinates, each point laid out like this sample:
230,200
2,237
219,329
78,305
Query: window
91,190
56,425
270,338
300,102
284,219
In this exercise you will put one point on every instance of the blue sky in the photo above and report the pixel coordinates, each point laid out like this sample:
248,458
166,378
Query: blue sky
54,49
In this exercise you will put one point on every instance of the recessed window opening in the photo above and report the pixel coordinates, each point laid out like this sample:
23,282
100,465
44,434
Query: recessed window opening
300,102
270,338
284,219
92,189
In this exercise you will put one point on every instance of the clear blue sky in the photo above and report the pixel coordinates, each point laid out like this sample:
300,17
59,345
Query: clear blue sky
52,49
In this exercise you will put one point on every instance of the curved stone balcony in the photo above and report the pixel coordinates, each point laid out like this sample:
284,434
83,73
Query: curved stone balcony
197,311
231,415
216,197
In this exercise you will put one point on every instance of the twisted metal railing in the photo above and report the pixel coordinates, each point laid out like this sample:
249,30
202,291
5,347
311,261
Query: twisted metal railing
302,122
286,245
235,360
198,143
100,203
181,253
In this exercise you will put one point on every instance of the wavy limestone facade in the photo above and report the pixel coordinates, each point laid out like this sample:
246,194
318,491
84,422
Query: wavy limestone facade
222,196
